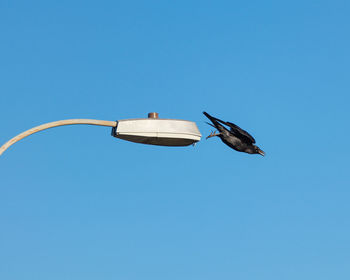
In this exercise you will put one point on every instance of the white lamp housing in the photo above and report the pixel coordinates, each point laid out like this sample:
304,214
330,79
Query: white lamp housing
154,131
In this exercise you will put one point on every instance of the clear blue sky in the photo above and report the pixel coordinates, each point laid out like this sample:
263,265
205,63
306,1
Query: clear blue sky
76,203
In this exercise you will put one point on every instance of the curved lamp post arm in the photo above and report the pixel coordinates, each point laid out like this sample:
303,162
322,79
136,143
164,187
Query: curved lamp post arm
28,132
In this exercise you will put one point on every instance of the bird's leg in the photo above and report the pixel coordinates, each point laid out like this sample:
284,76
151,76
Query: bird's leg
212,134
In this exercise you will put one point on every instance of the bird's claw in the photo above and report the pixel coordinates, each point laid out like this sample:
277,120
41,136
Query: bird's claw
212,134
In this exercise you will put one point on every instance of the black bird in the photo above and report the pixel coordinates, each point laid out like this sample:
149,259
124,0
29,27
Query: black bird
236,137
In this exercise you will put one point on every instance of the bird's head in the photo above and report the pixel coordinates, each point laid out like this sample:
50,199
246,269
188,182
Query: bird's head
259,151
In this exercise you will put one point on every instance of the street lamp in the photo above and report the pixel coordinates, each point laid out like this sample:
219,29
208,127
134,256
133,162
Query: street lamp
151,130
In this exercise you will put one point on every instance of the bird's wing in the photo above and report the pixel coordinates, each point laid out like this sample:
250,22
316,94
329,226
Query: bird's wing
240,133
234,129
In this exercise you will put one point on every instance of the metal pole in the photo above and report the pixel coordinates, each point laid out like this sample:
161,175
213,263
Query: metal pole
28,132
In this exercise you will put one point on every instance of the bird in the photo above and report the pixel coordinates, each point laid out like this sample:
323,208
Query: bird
234,137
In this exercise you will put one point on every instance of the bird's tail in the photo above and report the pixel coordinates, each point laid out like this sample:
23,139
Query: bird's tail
210,124
212,118
207,115
215,121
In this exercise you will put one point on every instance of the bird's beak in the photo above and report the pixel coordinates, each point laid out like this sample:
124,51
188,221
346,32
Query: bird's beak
261,152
